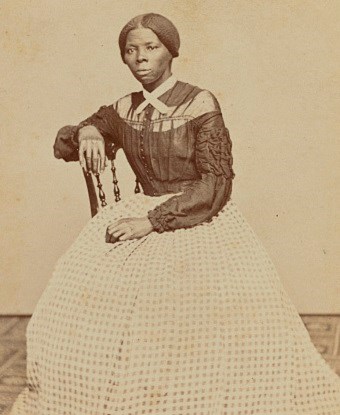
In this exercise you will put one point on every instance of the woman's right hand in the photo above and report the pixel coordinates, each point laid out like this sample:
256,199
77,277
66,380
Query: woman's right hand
91,149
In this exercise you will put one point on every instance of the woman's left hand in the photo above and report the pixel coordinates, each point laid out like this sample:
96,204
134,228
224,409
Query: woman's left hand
128,228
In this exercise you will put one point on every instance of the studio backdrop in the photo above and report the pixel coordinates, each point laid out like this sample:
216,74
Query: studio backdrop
273,66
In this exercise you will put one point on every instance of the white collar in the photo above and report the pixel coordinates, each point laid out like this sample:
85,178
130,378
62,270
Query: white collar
152,97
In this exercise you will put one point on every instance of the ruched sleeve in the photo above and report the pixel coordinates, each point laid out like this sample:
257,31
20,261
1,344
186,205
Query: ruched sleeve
107,122
208,195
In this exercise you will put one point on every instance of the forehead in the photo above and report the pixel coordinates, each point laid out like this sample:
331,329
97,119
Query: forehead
141,36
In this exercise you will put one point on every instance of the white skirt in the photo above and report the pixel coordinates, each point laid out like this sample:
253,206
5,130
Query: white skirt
190,322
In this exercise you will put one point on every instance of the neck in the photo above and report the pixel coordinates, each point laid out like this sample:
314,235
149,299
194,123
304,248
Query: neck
153,85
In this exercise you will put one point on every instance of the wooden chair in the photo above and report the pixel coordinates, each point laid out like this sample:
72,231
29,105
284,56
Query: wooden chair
101,197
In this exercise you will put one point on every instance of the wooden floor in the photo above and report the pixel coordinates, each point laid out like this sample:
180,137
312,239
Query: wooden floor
324,332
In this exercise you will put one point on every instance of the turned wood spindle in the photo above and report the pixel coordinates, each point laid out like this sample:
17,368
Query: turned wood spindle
116,190
100,191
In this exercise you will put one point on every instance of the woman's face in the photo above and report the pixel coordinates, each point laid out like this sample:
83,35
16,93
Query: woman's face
148,59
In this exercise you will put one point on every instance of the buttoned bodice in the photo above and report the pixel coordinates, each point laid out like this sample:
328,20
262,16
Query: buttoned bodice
161,151
187,149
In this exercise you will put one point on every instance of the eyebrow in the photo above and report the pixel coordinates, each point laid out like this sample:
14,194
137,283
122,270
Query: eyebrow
132,44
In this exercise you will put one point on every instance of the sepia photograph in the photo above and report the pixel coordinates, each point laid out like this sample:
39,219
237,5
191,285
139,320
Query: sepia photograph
169,207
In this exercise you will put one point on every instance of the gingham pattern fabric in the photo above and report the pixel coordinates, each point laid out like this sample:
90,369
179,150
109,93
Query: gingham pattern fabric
189,322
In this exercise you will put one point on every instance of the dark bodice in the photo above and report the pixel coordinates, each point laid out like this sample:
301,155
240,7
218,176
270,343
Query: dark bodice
187,150
163,160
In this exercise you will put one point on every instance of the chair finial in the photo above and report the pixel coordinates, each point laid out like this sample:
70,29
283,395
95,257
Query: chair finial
137,188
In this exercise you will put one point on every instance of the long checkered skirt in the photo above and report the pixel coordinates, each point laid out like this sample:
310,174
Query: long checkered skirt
189,322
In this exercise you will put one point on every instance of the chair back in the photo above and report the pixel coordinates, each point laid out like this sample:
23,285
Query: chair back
99,201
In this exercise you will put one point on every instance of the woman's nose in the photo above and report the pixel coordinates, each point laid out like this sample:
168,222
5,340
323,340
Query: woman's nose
141,56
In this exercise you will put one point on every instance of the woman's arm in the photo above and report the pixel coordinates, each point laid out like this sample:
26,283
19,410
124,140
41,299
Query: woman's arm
206,196
96,135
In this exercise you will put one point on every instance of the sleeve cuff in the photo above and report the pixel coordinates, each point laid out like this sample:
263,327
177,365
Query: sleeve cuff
66,144
157,220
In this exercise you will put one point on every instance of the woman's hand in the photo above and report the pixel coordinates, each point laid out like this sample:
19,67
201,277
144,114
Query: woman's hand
91,149
129,228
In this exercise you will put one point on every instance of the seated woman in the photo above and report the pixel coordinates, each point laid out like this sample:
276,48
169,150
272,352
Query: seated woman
184,312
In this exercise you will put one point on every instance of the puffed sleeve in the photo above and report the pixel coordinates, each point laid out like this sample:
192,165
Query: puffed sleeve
107,122
207,196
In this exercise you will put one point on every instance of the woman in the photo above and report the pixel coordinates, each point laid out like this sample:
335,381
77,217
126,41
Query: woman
179,311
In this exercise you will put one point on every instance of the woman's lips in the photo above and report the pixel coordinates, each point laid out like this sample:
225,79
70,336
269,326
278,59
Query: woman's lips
143,71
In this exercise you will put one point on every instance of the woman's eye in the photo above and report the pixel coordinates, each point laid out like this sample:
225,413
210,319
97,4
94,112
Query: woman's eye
152,47
129,51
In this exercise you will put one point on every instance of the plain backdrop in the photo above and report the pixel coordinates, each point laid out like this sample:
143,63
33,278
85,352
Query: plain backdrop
273,66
